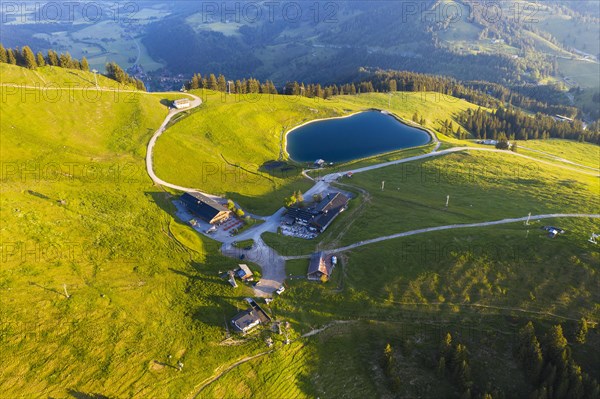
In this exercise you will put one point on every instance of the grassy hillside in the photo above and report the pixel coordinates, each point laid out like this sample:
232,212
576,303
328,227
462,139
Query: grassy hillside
482,187
79,213
224,147
104,291
53,77
481,285
581,153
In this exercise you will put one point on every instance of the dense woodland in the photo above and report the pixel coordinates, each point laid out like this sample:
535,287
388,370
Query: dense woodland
550,367
547,364
26,58
517,125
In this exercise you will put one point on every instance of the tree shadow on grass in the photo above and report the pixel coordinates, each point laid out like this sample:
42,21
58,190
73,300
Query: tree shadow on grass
280,169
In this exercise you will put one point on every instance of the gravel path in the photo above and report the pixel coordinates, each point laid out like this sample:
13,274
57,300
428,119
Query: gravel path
450,227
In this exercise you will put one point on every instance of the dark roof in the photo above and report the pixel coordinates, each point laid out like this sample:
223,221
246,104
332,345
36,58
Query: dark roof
299,213
318,263
202,206
323,213
250,318
329,208
332,202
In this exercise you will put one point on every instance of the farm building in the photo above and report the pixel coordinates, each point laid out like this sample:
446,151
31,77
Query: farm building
250,318
320,267
244,273
181,103
205,208
319,217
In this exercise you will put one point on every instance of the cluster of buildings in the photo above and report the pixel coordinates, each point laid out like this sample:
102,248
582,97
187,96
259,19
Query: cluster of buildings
205,208
318,217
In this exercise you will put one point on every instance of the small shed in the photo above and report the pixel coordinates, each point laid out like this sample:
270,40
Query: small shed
181,103
244,273
320,267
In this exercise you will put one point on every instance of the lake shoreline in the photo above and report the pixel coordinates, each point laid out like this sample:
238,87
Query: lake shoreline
431,136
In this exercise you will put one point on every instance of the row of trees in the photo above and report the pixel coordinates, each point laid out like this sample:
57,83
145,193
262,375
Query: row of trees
26,58
521,126
220,83
115,72
550,367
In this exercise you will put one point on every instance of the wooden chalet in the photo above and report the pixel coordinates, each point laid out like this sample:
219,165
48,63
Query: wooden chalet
205,208
320,267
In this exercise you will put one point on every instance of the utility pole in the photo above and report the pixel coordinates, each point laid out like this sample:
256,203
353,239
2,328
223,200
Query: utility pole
95,71
528,217
382,185
447,200
66,292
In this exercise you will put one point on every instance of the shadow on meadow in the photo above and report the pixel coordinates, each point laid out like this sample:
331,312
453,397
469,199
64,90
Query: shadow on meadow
280,169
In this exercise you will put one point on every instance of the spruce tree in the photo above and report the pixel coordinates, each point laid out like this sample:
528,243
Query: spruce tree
212,82
65,61
85,66
222,83
556,344
28,58
40,59
10,57
3,57
393,86
582,331
195,83
52,58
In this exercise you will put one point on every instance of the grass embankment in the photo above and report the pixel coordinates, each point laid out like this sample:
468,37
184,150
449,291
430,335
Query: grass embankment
78,209
226,148
581,153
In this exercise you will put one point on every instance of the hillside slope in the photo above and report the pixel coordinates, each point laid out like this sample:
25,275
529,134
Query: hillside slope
99,284
226,147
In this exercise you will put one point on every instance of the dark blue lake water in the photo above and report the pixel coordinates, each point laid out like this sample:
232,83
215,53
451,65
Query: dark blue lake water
358,136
